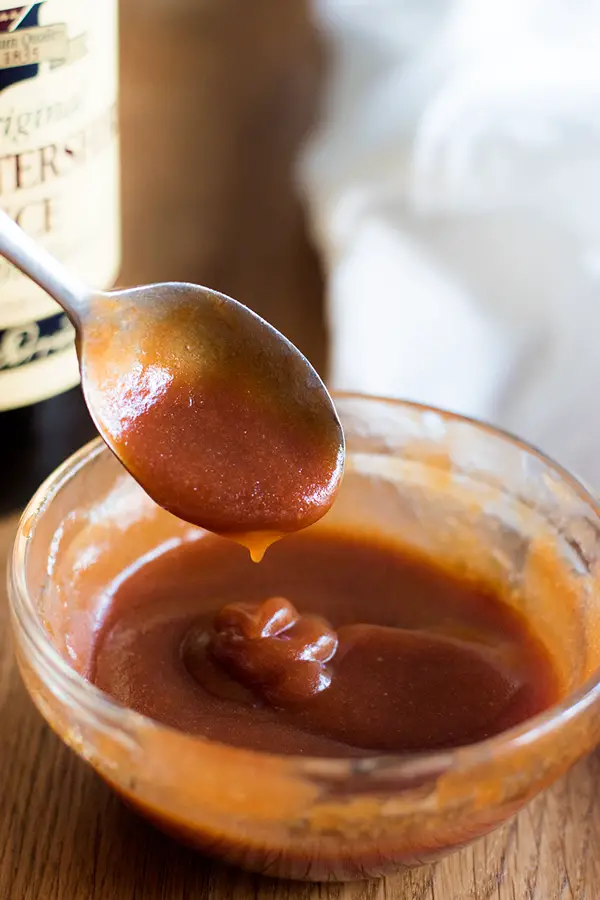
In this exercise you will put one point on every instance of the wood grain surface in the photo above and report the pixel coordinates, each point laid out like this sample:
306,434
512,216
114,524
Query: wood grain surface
216,95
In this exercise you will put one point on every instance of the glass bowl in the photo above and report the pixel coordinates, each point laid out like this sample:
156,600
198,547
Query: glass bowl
450,487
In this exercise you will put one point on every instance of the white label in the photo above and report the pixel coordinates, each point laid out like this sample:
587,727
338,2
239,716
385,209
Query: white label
58,175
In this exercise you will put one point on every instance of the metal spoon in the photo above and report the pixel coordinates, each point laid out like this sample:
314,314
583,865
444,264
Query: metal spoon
218,416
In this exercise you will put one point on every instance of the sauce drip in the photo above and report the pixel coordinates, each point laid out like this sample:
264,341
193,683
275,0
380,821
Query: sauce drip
271,648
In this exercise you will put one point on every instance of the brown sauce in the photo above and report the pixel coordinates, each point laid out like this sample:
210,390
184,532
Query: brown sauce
237,435
335,645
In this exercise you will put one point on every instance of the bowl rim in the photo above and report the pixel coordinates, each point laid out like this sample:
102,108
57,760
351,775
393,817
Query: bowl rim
127,723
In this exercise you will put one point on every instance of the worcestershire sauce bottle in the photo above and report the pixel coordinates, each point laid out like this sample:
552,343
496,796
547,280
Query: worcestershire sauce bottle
59,180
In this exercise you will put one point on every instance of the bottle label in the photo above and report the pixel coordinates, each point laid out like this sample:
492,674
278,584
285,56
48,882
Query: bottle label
58,176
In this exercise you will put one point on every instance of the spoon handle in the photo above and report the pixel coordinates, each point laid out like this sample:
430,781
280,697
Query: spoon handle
32,259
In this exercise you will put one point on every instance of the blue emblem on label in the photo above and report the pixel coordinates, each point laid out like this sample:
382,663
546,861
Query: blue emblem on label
29,20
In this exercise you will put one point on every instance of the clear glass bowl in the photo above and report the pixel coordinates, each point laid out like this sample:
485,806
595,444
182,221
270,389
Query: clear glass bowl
453,488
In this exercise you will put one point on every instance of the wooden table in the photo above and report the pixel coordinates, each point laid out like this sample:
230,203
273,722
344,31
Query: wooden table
209,129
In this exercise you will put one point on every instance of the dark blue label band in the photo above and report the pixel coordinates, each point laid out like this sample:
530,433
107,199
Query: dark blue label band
23,344
30,20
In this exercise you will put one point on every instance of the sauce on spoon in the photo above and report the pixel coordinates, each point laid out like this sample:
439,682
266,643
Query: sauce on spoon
220,418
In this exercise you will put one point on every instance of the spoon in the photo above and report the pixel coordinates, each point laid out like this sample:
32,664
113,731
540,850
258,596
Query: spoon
219,417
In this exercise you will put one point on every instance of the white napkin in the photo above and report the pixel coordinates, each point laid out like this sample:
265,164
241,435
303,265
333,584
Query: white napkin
453,187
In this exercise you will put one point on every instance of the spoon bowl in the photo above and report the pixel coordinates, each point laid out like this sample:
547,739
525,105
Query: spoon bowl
218,416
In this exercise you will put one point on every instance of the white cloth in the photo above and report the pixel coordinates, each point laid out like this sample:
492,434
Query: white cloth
453,187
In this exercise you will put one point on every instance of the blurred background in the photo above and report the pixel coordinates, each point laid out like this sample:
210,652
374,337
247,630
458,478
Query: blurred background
407,189
216,99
